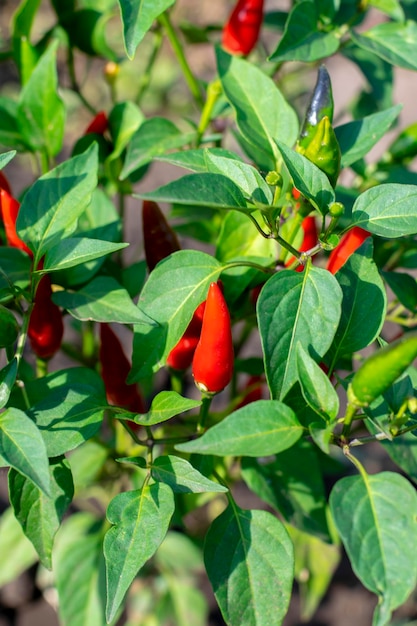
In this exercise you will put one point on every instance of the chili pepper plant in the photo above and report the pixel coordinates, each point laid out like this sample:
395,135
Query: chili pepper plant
275,265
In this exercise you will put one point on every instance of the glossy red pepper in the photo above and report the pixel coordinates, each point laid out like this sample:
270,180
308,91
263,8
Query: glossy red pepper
242,29
309,240
213,360
349,243
9,207
115,368
4,183
158,237
98,124
46,327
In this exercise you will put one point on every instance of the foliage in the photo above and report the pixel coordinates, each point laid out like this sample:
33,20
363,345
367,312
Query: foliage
101,494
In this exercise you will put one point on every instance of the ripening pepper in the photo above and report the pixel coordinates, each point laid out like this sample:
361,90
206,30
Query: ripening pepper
181,355
323,150
320,105
46,327
98,124
9,208
349,243
241,31
213,360
309,239
115,368
158,237
381,370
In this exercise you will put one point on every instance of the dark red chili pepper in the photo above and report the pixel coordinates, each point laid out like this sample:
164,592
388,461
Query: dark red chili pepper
241,31
349,243
252,391
98,125
9,207
214,358
158,237
309,240
115,368
181,355
46,327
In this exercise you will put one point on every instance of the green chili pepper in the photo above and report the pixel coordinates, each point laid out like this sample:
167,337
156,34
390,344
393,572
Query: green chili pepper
323,150
320,105
381,370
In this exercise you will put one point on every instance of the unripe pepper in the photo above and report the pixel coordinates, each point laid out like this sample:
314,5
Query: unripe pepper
381,370
349,243
213,360
181,355
309,240
115,368
158,237
9,208
46,327
98,124
323,150
320,105
242,29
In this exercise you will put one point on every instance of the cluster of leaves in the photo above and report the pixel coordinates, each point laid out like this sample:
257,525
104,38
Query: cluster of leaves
133,478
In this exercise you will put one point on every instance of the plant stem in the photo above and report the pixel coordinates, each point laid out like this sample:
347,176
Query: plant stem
214,91
74,84
145,79
347,422
179,53
204,411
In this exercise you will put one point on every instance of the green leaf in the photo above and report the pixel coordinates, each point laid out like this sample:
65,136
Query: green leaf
357,138
376,518
76,250
153,138
302,41
262,113
9,130
42,120
392,41
258,429
137,18
388,210
23,448
6,157
78,565
308,178
315,564
38,514
292,484
390,7
124,120
404,286
68,417
206,190
166,404
17,553
86,463
363,306
170,296
8,375
242,552
196,159
24,53
51,207
296,307
140,521
101,300
181,476
9,328
316,388
15,267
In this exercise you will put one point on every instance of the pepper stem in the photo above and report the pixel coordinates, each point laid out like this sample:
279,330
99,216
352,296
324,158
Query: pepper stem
204,411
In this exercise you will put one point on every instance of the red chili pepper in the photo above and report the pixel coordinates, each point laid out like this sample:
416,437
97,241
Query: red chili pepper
241,31
98,125
213,358
46,327
158,237
9,207
115,368
4,183
181,355
349,243
309,241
